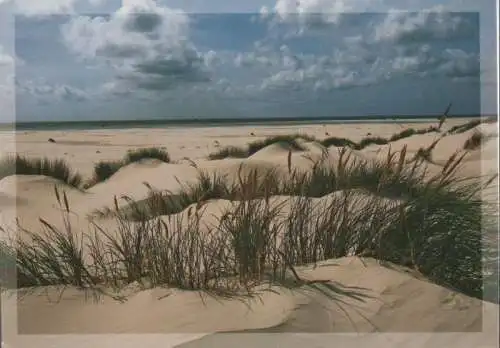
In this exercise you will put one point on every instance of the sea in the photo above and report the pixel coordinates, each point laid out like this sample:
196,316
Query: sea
220,122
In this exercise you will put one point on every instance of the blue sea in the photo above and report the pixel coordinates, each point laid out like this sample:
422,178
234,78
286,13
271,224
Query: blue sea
225,122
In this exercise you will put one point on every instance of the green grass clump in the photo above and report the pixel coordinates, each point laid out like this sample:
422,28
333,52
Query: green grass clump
371,141
150,153
475,141
55,168
338,142
229,151
290,140
464,127
103,170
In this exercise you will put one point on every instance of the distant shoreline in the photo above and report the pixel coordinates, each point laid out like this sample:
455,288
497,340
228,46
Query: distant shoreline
166,123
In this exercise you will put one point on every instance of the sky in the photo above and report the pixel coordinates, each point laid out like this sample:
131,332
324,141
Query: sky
76,60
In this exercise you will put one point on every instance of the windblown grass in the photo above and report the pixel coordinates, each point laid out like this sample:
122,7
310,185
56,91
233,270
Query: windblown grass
371,141
103,170
411,131
229,151
475,141
56,168
464,127
338,142
292,141
431,225
149,152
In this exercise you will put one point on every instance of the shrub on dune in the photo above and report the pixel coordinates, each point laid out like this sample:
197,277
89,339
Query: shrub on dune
55,168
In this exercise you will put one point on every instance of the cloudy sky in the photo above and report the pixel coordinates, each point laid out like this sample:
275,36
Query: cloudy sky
104,59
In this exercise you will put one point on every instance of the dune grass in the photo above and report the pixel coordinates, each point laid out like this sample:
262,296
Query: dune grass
464,127
432,225
103,170
338,142
149,152
229,152
55,168
411,131
475,141
289,140
292,141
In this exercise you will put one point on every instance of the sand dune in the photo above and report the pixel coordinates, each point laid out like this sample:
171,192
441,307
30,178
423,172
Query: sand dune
369,296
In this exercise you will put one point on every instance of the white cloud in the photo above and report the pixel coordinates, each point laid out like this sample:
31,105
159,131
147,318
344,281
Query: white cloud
313,14
46,93
147,44
7,59
47,7
460,64
452,63
424,26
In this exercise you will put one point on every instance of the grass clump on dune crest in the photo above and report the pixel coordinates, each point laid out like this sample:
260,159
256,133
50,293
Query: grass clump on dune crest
464,127
411,131
475,141
103,170
253,147
431,225
149,152
229,152
338,142
55,168
292,141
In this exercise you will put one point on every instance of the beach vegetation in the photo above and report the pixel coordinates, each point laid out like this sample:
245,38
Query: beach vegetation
55,168
103,170
388,210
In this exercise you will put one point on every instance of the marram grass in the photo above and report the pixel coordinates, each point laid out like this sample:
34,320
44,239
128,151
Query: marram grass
431,225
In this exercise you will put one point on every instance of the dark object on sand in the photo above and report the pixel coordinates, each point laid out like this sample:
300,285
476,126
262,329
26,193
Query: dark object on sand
51,140
368,133
252,134
327,134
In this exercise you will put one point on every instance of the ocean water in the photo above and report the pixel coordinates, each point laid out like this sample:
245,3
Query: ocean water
227,122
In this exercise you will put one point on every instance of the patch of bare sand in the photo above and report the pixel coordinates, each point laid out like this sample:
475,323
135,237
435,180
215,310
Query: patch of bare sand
359,296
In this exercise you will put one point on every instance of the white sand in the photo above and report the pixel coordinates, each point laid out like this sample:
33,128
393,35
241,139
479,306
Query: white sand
392,299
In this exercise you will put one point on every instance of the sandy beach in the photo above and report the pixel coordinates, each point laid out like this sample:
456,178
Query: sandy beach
356,297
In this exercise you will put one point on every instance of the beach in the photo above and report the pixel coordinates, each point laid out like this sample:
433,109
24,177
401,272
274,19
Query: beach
355,294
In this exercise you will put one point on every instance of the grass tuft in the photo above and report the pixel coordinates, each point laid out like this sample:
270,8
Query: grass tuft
228,152
464,127
146,153
475,141
103,170
56,168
